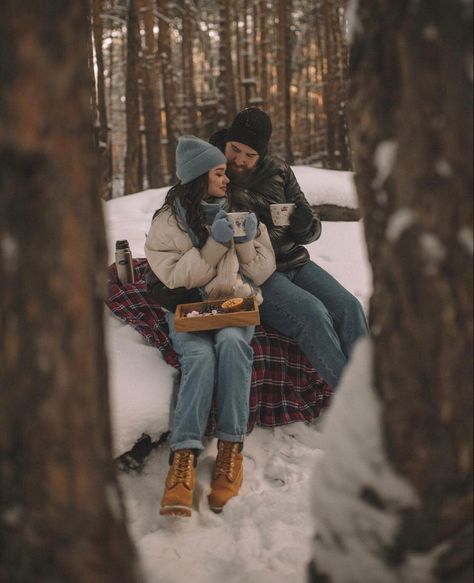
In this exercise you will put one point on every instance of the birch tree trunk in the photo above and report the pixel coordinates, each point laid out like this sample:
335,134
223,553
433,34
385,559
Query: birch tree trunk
62,518
411,122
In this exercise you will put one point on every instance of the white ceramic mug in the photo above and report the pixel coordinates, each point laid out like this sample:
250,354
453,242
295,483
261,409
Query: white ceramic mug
238,220
281,213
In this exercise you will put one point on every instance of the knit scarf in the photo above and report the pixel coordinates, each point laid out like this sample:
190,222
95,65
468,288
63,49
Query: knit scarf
210,210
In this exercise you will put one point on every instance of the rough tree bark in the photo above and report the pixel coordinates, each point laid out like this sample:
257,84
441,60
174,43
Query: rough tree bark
411,122
61,515
133,157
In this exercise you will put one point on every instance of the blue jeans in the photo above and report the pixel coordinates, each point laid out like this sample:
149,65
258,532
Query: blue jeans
218,362
310,306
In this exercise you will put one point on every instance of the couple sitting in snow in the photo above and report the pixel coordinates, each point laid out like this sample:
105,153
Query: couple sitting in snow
191,246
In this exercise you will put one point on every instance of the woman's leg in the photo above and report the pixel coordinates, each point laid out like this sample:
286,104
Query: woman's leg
234,356
345,309
198,364
234,371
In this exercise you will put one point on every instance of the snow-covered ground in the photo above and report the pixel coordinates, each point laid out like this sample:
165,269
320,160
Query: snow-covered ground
265,533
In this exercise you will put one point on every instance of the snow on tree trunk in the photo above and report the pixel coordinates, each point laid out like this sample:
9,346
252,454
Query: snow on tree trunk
411,122
61,517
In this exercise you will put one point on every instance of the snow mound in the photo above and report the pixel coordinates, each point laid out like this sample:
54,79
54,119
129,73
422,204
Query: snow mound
327,187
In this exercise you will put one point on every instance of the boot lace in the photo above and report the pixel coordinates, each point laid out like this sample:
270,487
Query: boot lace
225,460
182,467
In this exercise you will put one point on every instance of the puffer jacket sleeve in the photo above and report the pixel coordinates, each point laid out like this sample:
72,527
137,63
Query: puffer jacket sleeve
174,260
293,193
257,258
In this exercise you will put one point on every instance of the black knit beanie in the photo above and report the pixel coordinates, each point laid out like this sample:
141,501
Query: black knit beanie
251,127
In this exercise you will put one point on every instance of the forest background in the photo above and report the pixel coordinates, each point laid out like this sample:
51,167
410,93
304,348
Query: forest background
196,63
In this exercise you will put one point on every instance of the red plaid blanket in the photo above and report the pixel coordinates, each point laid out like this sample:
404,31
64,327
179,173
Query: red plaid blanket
285,388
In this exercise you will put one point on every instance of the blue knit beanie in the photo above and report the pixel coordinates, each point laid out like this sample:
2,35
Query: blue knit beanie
195,157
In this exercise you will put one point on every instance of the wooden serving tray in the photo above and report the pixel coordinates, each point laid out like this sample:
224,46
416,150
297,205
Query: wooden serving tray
246,317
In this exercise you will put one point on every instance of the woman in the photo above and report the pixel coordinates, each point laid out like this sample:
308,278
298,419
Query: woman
191,244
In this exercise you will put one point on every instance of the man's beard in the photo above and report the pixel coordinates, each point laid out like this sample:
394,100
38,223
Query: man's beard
238,176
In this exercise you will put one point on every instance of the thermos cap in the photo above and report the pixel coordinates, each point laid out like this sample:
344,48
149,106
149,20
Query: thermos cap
122,244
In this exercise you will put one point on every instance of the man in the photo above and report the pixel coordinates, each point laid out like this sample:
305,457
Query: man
301,300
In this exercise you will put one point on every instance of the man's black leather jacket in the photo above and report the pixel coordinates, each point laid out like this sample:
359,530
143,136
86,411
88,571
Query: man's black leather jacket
271,182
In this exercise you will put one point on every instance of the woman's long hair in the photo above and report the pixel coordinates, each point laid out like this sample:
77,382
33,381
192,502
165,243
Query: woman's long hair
191,194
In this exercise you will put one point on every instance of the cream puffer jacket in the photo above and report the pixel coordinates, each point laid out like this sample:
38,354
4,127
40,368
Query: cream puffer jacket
215,268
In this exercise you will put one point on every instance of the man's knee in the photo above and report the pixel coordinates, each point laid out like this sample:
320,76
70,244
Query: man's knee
351,305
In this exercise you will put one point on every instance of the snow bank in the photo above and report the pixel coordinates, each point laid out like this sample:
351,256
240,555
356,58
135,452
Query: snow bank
331,187
141,386
357,497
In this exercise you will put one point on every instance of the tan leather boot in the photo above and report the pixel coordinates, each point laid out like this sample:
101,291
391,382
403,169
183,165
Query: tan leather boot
179,485
228,474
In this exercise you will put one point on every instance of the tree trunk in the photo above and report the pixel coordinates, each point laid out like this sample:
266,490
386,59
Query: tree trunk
263,53
411,116
62,519
284,77
103,143
319,147
237,10
227,108
169,91
334,89
151,101
133,166
189,91
247,71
